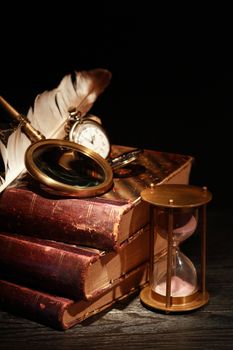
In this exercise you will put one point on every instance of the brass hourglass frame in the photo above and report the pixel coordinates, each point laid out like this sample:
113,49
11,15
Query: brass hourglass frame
170,197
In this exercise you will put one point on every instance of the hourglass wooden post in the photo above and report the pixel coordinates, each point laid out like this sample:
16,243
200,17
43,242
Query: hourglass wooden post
174,216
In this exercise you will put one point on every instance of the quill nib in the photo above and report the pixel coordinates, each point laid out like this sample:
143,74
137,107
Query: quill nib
33,134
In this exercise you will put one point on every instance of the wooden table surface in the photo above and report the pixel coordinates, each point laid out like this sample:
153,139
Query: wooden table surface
129,325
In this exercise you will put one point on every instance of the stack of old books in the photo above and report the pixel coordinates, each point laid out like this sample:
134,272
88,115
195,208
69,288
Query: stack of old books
65,259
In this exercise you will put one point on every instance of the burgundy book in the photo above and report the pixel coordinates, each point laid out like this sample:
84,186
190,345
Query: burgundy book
68,270
62,313
102,222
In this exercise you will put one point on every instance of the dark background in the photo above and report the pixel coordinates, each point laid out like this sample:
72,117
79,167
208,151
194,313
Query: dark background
171,88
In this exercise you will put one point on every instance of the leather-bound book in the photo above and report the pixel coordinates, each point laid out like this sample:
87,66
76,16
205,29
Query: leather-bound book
68,270
62,313
102,222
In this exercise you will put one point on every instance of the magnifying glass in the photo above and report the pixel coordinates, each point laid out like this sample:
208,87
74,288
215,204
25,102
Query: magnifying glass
65,167
69,168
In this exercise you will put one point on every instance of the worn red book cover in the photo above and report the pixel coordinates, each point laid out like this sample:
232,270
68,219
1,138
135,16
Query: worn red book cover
69,270
63,313
102,222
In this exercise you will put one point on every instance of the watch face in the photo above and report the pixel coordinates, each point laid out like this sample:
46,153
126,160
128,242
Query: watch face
91,135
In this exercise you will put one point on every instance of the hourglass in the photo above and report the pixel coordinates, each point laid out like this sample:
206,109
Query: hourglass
176,212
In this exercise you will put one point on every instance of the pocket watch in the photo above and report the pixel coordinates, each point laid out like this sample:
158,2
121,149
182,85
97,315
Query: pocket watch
87,131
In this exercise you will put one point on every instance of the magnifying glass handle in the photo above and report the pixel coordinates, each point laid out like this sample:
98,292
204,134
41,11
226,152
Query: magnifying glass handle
125,158
33,134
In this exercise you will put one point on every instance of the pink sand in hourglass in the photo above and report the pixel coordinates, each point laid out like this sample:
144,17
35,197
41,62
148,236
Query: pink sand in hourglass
179,287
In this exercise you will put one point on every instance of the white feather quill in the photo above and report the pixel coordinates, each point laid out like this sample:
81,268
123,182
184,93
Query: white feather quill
49,115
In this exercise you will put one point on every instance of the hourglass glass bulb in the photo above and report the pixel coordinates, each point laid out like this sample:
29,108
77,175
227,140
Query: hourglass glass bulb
183,275
183,232
184,223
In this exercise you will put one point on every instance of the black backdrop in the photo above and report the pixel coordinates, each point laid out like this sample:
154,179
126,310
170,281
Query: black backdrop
171,88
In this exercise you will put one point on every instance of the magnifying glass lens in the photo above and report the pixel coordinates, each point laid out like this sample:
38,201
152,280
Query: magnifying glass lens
68,166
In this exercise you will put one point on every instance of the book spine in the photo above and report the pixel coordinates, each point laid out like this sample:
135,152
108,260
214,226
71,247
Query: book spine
36,305
71,271
75,221
45,265
62,313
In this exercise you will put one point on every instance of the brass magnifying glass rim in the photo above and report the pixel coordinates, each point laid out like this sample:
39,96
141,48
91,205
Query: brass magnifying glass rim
65,189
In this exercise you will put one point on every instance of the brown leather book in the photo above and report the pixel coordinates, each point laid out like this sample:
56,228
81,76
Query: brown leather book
68,270
63,313
102,222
